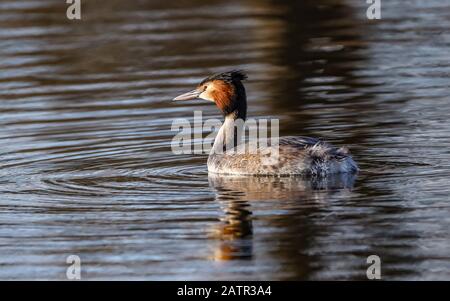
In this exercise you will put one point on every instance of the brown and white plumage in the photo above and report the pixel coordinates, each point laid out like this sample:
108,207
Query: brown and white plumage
294,155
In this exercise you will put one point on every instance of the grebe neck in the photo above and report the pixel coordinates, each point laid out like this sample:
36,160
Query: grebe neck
234,108
230,133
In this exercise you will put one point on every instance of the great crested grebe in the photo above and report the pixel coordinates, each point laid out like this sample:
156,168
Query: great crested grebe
296,155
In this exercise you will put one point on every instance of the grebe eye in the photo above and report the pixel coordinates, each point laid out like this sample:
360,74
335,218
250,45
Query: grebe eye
204,88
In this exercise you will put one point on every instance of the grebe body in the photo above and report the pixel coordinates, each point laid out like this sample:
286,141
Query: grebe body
294,155
297,156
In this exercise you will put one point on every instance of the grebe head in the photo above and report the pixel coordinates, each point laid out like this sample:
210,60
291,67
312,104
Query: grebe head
225,90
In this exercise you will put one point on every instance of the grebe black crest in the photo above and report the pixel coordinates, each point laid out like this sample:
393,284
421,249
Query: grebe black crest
294,155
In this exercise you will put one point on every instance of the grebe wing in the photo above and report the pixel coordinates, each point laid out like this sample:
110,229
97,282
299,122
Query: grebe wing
300,145
314,146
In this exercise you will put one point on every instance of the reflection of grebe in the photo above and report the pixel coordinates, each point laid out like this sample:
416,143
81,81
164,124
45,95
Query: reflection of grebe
234,232
281,188
296,155
236,194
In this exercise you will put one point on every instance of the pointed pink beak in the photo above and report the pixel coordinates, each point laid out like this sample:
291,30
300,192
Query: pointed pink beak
189,95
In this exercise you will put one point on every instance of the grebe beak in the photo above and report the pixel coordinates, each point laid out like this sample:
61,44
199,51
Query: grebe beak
189,95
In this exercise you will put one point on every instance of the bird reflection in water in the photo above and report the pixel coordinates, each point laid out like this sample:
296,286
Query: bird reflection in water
235,194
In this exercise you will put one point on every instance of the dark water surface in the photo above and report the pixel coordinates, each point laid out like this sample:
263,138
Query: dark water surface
86,166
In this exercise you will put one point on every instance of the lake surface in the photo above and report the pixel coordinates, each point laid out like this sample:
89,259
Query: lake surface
86,166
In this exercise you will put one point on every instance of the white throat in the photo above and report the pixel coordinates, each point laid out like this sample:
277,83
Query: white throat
229,135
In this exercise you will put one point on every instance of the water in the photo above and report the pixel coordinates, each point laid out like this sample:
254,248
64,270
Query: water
86,166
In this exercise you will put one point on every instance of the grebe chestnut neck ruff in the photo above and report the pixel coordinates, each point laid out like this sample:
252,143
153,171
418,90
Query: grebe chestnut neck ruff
295,155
